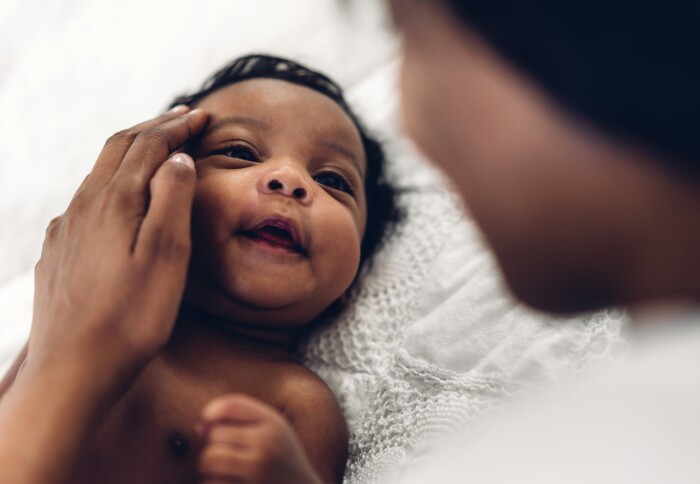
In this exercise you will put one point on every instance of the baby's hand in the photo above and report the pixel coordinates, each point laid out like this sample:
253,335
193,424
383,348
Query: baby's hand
246,440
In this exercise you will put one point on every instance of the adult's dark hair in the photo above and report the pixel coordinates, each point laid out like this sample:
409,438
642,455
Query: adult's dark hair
382,211
630,67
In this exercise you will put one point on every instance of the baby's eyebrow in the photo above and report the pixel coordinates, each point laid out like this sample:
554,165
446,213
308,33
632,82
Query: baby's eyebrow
238,120
344,152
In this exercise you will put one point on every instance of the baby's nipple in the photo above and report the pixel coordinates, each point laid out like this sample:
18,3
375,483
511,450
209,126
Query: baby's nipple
178,445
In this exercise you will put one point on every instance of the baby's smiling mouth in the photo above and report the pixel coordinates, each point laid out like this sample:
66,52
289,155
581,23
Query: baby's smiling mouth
278,233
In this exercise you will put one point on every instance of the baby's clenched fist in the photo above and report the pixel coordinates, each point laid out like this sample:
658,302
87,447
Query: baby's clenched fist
248,441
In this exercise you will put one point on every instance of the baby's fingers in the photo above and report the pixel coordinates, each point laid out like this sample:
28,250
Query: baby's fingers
238,408
219,463
239,437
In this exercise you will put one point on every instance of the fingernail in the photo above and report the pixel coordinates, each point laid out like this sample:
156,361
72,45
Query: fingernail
194,112
180,108
183,159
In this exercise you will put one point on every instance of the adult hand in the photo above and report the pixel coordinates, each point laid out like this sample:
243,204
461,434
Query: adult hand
108,287
113,266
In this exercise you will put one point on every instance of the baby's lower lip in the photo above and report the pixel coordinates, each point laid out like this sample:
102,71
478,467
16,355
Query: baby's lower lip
271,245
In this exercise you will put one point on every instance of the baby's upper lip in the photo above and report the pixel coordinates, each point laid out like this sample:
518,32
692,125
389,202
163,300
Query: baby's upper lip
285,224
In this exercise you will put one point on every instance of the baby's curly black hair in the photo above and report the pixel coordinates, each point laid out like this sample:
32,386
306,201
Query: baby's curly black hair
382,210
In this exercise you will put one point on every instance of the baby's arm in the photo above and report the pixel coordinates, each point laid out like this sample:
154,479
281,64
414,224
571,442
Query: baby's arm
247,440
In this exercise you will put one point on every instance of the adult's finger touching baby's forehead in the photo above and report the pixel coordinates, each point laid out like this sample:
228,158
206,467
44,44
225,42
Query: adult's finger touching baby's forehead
118,144
153,146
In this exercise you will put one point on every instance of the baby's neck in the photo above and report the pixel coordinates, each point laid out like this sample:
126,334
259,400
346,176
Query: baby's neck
195,327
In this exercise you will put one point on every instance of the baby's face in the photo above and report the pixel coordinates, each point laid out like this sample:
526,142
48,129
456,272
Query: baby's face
279,212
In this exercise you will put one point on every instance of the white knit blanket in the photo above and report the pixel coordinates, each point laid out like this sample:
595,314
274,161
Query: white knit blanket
432,338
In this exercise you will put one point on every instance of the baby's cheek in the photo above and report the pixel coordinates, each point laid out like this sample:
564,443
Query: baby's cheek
344,243
214,218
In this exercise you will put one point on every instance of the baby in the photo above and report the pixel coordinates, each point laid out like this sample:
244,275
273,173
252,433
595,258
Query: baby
290,202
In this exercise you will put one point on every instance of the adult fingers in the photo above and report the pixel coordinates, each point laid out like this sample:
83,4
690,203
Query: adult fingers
164,236
118,144
162,245
127,196
152,146
237,408
166,225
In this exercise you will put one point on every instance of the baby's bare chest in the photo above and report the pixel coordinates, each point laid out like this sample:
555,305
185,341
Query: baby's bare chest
149,436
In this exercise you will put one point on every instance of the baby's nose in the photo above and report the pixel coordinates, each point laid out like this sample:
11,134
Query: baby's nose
287,181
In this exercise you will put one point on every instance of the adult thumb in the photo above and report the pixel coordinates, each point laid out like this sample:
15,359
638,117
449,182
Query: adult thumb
165,230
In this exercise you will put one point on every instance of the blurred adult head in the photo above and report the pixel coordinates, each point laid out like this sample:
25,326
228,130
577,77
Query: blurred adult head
569,128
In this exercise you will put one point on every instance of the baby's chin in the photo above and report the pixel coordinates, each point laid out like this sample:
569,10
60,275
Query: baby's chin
261,305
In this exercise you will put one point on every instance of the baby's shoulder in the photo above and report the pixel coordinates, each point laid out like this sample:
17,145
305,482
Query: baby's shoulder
314,412
302,391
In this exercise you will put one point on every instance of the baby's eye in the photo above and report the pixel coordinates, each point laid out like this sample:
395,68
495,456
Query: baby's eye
334,181
240,152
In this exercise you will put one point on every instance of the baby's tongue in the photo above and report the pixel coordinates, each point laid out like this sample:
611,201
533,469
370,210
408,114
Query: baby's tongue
275,235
